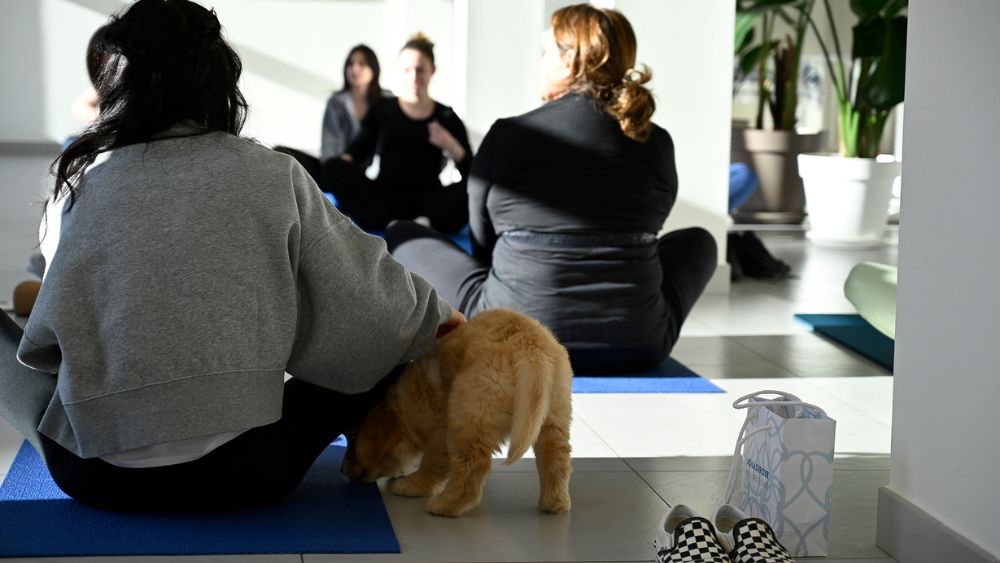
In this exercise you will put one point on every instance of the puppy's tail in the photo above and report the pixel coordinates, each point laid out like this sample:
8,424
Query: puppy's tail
535,377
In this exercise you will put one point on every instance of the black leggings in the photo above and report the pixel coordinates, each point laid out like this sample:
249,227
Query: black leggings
358,196
688,258
373,205
257,467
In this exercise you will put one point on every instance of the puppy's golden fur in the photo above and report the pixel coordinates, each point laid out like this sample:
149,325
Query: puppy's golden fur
500,375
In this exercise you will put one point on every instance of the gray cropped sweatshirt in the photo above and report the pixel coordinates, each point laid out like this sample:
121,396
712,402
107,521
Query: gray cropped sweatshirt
190,275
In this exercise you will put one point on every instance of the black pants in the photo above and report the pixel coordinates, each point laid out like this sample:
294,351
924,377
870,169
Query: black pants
373,206
688,258
257,467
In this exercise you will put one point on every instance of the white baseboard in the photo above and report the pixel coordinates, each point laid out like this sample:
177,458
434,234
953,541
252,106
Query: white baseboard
911,535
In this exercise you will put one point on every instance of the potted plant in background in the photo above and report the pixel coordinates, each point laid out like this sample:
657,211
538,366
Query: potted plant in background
848,193
772,153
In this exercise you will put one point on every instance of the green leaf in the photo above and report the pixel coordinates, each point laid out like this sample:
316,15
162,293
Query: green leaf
869,39
751,59
866,10
744,31
894,8
886,87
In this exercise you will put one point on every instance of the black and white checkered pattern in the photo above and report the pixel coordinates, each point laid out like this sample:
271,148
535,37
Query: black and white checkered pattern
694,541
756,543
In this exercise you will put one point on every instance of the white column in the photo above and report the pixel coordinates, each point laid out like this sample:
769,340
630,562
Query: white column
502,46
945,446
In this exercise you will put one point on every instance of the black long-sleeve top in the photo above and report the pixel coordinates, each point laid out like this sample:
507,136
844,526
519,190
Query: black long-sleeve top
566,208
408,162
568,168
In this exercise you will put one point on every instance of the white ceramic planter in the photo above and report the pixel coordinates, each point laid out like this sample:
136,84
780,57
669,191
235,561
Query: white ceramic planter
847,198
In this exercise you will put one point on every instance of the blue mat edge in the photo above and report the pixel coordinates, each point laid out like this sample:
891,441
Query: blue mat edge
827,324
669,377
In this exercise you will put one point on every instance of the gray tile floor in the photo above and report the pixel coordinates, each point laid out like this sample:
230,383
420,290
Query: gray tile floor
634,455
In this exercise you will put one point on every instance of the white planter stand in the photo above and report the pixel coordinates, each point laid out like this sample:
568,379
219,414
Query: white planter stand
847,198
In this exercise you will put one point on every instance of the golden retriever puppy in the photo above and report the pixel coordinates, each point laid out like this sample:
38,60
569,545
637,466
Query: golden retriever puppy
500,376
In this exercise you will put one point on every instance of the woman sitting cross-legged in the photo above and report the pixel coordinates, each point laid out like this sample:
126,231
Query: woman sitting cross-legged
413,135
565,205
151,373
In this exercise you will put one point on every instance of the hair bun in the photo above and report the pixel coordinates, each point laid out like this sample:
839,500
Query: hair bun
422,44
420,37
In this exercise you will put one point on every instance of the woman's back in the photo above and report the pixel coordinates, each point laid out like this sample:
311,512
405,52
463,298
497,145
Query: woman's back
567,167
574,206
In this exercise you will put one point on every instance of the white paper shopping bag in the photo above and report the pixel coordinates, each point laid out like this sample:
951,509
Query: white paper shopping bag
782,469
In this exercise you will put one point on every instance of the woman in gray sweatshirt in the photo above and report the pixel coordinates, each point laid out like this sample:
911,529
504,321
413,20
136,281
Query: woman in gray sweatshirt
188,270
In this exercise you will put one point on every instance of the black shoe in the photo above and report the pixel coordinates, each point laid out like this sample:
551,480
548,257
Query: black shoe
735,269
756,261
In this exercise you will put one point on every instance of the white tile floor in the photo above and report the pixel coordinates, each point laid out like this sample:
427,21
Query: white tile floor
637,454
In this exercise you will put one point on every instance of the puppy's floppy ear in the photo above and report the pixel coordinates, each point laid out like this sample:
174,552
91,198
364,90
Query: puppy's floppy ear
378,435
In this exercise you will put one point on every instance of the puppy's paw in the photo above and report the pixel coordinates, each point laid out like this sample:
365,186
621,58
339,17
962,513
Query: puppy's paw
411,487
440,505
555,503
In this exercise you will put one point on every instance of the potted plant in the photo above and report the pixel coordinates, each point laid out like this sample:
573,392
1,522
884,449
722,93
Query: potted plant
772,153
848,193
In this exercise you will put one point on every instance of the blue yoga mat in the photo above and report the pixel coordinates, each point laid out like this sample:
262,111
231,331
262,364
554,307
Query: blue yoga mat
854,333
669,377
326,514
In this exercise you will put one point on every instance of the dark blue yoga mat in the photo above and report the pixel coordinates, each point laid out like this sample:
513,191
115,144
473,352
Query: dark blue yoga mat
854,333
326,514
669,377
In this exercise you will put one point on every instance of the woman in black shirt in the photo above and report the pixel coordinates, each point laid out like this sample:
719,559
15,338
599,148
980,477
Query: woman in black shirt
565,205
413,136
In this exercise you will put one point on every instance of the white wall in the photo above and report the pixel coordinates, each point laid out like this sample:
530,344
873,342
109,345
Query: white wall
499,53
945,444
292,50
688,46
22,117
42,72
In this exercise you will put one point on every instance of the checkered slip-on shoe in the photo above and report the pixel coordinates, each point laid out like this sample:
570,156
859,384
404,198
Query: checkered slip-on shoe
748,540
685,537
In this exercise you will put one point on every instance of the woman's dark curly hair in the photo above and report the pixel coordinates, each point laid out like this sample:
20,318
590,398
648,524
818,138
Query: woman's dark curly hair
165,61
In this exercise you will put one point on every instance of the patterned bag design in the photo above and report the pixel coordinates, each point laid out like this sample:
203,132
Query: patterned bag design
782,469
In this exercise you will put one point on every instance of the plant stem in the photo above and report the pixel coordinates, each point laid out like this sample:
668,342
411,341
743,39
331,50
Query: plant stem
836,45
792,92
837,87
762,94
